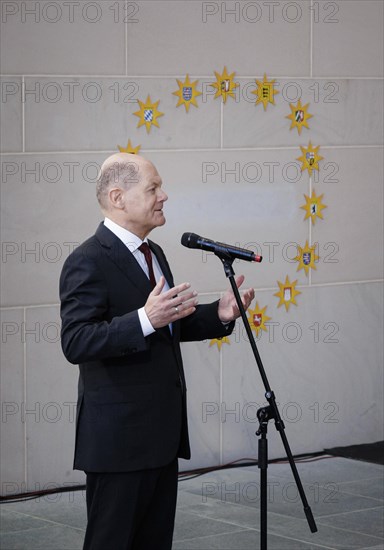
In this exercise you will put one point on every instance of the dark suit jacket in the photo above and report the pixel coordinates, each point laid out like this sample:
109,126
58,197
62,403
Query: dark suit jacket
131,411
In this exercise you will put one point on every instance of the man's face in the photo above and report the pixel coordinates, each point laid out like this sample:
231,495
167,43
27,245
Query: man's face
143,202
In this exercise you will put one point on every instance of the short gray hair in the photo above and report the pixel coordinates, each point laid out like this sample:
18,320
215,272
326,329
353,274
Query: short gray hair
123,174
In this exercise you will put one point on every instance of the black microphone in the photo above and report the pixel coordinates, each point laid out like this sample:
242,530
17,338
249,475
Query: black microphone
191,240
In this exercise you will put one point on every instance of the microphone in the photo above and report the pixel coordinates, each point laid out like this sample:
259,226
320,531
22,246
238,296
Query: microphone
191,240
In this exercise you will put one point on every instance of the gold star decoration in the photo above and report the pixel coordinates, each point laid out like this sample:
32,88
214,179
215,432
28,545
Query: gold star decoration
224,85
287,293
148,114
257,318
219,342
187,93
306,258
310,158
265,92
299,116
313,207
130,149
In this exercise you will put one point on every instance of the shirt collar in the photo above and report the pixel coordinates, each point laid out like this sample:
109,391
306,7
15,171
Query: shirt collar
130,240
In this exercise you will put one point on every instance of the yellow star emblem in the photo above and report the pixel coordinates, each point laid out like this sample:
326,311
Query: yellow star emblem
287,293
130,149
306,258
187,93
313,207
310,158
224,85
257,318
265,92
299,116
148,114
219,342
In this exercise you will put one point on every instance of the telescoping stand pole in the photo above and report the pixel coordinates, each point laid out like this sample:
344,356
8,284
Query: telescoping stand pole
264,415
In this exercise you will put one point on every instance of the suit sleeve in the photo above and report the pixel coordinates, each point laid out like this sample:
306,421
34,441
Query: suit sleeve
204,323
87,333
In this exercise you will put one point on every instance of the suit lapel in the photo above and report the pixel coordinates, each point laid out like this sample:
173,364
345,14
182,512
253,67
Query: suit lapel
123,259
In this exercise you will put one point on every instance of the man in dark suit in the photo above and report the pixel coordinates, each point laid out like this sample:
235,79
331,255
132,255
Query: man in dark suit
122,321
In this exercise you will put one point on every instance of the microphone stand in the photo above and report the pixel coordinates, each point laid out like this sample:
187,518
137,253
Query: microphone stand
264,415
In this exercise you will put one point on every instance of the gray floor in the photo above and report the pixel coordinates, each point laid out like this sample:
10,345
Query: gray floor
221,510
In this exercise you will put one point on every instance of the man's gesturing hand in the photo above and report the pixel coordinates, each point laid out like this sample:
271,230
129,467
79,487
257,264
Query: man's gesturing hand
228,310
163,308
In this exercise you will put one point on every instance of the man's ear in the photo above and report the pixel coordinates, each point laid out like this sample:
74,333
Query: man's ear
116,197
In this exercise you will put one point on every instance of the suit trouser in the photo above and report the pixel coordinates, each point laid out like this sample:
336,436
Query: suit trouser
131,510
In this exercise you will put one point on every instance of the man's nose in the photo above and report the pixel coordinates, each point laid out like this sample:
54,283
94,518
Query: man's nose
163,196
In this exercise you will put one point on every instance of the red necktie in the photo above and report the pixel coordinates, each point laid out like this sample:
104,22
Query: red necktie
144,248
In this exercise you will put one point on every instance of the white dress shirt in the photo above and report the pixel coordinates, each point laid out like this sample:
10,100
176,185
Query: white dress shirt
132,242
